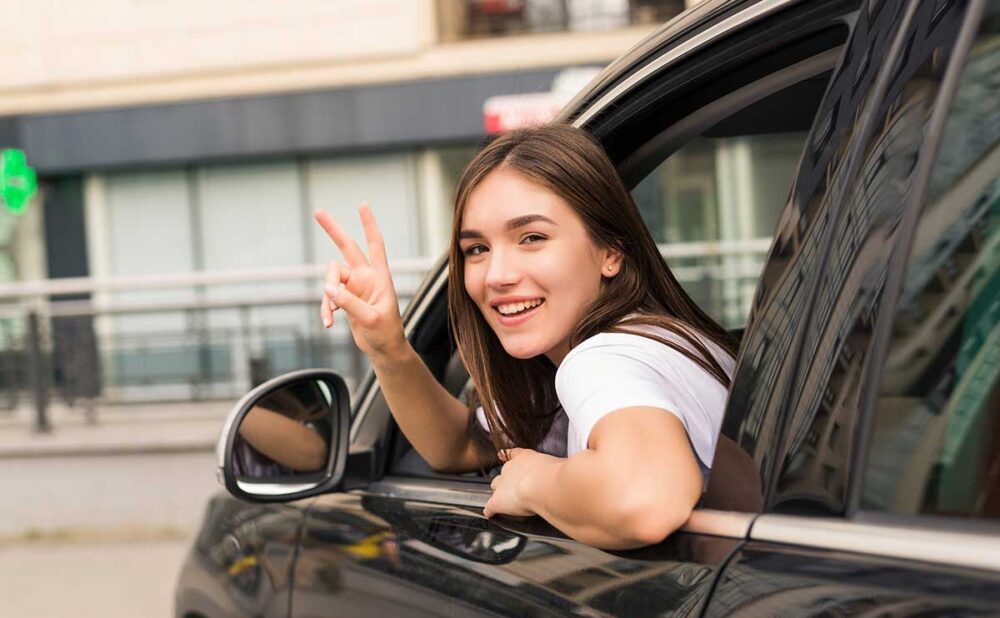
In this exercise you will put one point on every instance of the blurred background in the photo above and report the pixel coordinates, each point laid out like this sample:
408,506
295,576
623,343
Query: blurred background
159,165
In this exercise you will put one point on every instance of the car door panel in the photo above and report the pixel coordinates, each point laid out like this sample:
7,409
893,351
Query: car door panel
373,554
241,562
769,579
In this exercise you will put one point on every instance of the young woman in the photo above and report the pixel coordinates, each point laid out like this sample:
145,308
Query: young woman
602,384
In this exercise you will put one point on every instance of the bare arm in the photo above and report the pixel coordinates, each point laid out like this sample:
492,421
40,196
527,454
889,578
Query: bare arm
636,483
432,419
284,440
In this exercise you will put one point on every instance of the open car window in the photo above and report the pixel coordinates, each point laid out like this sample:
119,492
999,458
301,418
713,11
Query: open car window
713,188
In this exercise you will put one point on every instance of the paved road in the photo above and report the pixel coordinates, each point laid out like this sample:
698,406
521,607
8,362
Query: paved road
150,468
80,580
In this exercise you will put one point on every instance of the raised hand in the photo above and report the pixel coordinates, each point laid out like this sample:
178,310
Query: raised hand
362,287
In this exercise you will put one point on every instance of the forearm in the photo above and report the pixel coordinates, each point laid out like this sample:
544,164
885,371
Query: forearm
596,504
284,440
434,421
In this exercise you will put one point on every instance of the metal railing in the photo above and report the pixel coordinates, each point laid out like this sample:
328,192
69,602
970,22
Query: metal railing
115,346
470,19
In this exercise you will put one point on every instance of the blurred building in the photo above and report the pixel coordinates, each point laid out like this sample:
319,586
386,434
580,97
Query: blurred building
199,135
188,136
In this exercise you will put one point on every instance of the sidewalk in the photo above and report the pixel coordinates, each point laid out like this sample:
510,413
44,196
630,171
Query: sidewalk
121,429
143,469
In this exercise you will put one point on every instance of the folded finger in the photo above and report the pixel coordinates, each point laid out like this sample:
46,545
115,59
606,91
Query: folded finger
326,311
336,273
348,248
359,310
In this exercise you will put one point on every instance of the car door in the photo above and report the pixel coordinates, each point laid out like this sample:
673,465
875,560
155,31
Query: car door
746,76
885,497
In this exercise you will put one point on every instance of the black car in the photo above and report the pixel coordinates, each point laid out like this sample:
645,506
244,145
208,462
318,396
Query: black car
858,472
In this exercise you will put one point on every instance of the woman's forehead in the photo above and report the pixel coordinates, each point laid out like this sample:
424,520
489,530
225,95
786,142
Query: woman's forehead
504,195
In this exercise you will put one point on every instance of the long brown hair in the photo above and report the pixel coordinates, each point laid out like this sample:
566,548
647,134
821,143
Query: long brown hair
571,164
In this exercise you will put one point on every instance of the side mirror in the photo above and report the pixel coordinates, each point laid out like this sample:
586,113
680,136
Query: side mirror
287,438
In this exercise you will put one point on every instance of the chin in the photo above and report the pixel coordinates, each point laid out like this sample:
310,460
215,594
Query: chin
521,350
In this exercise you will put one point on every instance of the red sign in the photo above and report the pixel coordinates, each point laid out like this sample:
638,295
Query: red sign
513,111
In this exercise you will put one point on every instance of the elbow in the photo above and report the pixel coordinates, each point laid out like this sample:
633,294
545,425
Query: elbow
316,457
650,524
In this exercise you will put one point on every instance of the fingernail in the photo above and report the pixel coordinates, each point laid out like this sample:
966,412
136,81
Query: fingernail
327,322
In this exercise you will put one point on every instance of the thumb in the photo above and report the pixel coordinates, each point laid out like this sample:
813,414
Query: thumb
356,308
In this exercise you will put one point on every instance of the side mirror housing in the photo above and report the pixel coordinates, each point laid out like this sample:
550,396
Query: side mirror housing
287,438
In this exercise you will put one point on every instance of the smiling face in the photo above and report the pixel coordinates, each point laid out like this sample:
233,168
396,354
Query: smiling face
530,265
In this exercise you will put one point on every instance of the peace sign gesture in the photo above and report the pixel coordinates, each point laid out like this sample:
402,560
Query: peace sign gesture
362,287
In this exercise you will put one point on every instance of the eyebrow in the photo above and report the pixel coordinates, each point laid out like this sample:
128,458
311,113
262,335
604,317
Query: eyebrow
510,226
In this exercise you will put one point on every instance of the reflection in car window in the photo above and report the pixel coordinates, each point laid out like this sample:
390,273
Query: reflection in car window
823,404
936,441
781,301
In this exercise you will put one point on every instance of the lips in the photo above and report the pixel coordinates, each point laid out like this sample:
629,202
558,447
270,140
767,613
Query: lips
519,310
511,308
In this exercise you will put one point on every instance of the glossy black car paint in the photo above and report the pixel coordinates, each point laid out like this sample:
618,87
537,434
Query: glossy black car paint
383,556
764,579
242,560
416,544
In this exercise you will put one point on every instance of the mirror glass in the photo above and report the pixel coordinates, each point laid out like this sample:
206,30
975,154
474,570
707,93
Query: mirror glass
286,438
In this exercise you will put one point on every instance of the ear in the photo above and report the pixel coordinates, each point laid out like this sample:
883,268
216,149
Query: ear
611,263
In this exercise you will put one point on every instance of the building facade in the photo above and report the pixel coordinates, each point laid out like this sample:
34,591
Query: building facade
177,137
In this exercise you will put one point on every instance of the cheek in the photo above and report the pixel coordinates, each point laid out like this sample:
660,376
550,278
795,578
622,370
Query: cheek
473,281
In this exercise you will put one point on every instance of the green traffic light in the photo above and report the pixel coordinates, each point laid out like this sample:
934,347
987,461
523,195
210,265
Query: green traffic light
17,181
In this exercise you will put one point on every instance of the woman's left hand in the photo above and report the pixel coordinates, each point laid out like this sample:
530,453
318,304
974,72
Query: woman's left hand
511,489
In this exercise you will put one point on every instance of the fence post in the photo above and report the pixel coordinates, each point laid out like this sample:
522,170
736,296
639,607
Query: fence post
37,376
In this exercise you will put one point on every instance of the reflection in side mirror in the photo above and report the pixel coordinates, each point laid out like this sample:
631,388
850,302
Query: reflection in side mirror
287,438
285,435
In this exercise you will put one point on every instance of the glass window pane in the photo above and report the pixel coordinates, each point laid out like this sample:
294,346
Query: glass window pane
936,437
866,203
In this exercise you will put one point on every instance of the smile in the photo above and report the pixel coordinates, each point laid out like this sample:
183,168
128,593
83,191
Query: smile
515,308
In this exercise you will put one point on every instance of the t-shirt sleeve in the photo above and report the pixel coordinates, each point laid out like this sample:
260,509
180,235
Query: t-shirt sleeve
481,417
625,371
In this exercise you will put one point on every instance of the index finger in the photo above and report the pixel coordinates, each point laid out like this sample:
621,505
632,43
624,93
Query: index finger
350,249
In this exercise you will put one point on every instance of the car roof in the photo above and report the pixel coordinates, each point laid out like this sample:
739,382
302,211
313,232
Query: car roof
699,25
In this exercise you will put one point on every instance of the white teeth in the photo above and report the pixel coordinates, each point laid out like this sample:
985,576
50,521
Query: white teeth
511,308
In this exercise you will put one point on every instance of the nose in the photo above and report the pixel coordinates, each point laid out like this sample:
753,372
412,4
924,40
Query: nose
503,271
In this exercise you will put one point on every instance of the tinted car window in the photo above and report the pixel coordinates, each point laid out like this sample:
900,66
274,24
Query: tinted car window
936,436
836,344
781,306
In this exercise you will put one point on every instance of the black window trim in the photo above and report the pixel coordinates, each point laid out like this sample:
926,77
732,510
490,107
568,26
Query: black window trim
661,146
694,45
897,270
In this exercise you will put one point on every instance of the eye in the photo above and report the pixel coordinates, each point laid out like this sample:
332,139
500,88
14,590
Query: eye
532,239
473,250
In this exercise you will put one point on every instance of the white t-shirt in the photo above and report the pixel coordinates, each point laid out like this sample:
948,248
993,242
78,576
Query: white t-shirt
611,371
